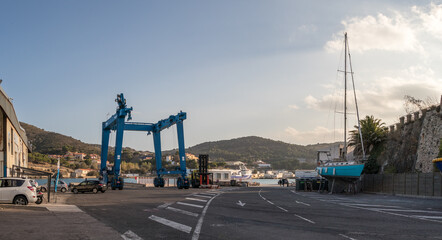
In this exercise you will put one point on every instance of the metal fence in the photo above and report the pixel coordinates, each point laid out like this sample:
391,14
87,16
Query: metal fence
418,184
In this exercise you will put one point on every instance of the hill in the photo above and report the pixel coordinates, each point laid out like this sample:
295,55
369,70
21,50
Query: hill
251,149
54,143
246,149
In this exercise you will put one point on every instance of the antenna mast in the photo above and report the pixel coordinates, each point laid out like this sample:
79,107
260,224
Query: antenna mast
345,101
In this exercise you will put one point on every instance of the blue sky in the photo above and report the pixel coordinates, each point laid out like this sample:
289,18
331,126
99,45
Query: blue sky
238,68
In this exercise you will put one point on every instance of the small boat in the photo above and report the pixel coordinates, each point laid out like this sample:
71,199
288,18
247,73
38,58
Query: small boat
242,174
341,167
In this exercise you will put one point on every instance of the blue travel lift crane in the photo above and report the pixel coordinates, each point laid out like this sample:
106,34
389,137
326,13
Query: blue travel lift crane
117,123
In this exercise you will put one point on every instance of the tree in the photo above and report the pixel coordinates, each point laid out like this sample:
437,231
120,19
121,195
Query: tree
88,162
413,104
374,133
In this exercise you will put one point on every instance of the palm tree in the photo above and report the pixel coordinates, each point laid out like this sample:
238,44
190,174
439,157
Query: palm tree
374,134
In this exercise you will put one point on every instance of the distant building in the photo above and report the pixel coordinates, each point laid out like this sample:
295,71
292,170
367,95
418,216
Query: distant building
94,156
169,158
82,172
75,155
264,165
14,146
234,163
79,156
190,156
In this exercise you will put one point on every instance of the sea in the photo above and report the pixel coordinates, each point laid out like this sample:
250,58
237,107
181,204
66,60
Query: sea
171,181
78,180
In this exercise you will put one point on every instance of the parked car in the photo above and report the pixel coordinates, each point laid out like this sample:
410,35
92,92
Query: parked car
62,186
18,191
90,186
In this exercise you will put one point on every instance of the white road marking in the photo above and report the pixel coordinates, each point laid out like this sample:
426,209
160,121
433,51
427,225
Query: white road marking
204,196
241,203
190,205
196,199
172,224
407,210
197,231
303,203
63,208
305,219
282,208
182,211
395,214
165,205
129,235
345,236
429,217
209,193
373,205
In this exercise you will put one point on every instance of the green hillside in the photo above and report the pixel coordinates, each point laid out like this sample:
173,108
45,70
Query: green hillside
251,149
246,149
54,143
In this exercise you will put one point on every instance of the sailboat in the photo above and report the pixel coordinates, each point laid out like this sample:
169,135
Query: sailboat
342,167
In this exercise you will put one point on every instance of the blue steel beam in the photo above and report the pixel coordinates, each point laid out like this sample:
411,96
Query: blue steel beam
158,155
181,149
144,127
104,150
118,146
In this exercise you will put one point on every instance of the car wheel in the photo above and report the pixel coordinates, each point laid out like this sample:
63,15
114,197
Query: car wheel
43,189
20,200
63,190
95,190
75,190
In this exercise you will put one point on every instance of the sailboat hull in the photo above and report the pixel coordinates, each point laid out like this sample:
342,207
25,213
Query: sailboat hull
351,171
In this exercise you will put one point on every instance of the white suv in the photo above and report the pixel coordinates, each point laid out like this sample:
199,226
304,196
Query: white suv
19,191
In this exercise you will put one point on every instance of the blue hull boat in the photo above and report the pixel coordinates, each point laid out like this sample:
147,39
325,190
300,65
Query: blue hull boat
343,169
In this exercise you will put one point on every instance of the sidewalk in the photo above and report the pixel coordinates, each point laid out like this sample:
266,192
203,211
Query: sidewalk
51,221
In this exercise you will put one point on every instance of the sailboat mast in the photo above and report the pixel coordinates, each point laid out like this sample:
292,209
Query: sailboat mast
345,100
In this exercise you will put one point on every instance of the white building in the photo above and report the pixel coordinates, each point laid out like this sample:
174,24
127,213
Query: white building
14,146
221,174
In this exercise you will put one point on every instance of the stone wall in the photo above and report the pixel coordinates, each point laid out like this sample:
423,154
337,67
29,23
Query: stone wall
430,137
413,143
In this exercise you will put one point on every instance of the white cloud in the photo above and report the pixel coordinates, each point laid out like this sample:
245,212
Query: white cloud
431,19
293,106
414,35
377,33
384,96
319,134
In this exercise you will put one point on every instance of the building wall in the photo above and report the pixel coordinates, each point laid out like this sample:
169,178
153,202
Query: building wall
2,143
16,149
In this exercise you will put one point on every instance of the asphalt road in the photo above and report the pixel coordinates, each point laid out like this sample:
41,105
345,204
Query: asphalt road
261,213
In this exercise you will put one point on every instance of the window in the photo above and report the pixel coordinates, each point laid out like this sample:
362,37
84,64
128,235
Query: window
226,176
218,176
12,183
83,183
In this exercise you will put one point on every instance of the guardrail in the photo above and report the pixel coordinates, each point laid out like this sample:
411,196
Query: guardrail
413,184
